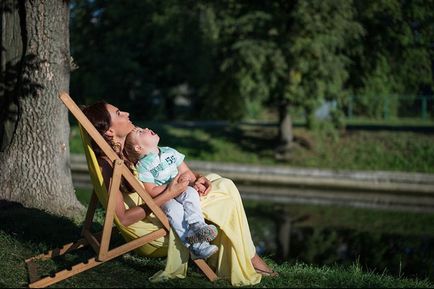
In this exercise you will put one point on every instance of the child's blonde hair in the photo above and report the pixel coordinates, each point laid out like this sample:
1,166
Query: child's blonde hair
129,150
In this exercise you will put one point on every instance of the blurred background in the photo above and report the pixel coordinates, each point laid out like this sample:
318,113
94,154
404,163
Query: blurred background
242,59
321,111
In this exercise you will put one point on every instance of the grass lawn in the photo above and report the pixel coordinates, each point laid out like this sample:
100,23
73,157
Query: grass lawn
393,121
27,232
351,150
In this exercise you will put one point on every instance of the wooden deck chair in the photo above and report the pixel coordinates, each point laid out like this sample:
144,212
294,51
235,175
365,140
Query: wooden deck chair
100,242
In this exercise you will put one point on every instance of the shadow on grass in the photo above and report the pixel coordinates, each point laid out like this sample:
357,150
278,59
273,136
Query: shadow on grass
253,140
36,226
39,231
169,139
260,140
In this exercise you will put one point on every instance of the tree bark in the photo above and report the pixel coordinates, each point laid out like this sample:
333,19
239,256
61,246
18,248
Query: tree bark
285,145
35,66
311,121
285,125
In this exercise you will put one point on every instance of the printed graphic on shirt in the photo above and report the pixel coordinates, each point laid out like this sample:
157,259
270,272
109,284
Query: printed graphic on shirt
160,169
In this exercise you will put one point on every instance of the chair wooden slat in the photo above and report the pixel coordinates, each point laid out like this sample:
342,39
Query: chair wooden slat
100,242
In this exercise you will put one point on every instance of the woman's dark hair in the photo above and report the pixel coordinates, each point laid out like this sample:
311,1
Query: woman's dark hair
99,116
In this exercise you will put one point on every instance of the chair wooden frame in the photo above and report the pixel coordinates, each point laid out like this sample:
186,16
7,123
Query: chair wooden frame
100,241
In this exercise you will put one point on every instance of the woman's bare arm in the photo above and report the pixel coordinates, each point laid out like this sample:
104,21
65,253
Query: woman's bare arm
137,213
125,216
195,178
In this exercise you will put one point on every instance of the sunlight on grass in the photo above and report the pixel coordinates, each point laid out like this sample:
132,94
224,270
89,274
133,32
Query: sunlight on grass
350,150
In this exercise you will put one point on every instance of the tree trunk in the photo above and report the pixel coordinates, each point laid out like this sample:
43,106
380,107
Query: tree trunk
311,121
285,125
35,66
284,148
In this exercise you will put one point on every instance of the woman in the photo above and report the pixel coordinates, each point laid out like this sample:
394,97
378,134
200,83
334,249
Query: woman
221,204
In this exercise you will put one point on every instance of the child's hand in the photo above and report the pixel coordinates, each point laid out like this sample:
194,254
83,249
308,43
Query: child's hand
200,188
176,187
184,178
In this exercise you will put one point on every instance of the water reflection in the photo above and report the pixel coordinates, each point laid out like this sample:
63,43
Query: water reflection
405,255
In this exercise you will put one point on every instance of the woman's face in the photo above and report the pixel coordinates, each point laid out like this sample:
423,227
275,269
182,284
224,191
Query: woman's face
120,122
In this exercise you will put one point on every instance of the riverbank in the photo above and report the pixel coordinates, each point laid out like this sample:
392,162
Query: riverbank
399,191
358,149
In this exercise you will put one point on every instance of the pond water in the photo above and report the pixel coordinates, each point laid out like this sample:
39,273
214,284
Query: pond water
405,255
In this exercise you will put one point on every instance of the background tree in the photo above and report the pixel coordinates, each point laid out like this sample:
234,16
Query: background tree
395,55
286,54
35,66
234,58
149,50
247,61
321,34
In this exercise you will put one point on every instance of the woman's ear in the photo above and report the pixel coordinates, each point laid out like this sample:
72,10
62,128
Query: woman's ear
110,132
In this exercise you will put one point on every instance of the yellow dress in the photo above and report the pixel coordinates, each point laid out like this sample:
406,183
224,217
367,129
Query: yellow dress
222,206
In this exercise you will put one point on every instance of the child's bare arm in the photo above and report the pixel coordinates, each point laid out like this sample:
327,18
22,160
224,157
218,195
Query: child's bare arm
153,189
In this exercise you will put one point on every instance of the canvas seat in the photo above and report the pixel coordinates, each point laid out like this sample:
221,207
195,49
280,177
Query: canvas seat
100,242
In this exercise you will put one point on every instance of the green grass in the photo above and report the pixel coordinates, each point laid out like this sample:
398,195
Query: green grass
390,122
27,232
350,150
83,195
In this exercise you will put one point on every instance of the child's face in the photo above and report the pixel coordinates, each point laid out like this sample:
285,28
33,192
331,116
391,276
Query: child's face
145,139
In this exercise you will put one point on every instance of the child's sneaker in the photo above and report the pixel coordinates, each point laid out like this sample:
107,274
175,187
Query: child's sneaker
202,250
201,233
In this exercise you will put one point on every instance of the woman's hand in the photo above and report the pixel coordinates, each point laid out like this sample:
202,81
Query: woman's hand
203,185
177,186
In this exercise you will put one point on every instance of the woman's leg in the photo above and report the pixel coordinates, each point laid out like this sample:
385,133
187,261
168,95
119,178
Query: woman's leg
230,198
237,258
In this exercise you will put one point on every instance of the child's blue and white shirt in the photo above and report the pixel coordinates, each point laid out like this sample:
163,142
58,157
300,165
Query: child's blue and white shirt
160,168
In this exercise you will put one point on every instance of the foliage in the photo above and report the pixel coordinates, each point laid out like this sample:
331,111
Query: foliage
231,59
395,56
138,53
248,58
321,33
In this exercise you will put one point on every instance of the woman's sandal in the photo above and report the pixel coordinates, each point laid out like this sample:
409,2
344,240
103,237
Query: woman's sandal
267,273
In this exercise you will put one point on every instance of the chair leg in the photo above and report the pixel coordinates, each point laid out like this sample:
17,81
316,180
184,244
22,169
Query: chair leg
209,273
90,213
61,275
36,282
